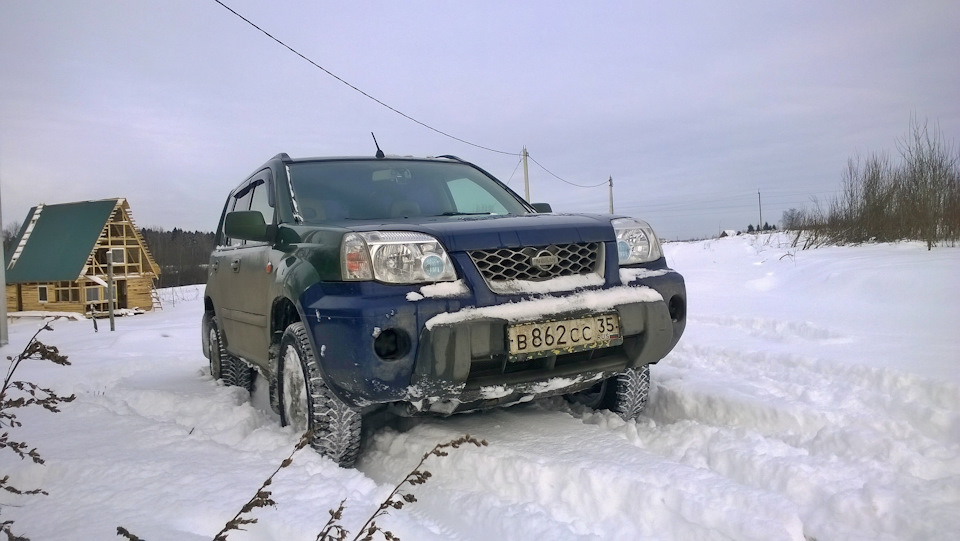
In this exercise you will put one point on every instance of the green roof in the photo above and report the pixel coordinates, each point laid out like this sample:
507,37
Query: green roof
60,242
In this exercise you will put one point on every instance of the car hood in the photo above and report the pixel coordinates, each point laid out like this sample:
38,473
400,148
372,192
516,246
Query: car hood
461,233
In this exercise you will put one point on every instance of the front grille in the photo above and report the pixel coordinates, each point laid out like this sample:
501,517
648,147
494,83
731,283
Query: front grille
510,264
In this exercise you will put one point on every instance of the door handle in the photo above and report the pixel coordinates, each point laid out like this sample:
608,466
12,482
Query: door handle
235,265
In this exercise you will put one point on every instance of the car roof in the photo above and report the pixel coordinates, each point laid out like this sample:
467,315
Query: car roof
287,159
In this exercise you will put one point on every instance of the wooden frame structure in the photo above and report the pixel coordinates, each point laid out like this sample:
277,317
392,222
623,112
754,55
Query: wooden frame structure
59,262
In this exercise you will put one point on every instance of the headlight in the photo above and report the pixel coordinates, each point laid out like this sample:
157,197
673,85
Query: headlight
636,242
396,257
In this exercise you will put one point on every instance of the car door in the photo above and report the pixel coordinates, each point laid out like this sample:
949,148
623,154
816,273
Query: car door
245,278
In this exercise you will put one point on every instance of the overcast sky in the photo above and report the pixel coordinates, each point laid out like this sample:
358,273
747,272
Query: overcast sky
691,107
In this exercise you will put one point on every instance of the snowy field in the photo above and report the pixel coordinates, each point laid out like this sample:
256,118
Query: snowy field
815,395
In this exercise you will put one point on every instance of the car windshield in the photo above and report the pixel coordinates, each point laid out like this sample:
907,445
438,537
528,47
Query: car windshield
391,189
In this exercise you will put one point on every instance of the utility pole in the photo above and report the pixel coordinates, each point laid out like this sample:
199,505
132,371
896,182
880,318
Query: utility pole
4,336
760,206
611,193
526,176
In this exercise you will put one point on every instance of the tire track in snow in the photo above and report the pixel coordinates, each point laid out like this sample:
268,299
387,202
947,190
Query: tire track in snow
839,441
558,478
814,449
802,394
773,329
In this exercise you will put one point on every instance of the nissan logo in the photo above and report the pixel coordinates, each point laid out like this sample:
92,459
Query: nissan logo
544,260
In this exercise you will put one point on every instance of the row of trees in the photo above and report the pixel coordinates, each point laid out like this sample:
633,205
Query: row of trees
9,235
758,229
182,255
916,197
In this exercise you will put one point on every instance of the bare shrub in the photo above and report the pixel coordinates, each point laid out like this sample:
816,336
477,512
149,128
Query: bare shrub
917,198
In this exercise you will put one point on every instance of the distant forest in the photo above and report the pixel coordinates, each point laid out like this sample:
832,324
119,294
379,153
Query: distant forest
182,255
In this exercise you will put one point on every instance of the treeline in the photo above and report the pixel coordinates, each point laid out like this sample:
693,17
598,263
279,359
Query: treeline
766,227
914,198
182,255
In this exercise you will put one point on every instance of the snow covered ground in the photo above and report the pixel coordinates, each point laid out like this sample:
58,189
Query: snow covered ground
815,394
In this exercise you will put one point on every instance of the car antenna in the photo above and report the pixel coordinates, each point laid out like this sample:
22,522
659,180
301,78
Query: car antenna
380,153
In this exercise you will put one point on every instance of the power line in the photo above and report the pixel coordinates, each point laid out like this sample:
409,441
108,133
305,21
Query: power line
514,172
395,110
331,74
564,180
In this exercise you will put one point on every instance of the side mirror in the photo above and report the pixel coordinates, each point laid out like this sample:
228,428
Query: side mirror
246,225
542,208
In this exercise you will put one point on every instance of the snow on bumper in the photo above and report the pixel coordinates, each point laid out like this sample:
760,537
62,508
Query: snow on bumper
531,310
463,363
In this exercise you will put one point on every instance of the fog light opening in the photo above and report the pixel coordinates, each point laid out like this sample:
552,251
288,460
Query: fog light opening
677,307
391,344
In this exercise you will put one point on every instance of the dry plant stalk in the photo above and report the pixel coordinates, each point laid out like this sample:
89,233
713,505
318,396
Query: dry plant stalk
262,497
397,499
123,532
332,530
22,394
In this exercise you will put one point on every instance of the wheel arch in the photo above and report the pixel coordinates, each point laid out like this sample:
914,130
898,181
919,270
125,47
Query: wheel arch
208,315
283,313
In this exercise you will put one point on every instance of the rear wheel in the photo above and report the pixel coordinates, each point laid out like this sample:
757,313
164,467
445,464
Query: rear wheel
625,394
306,403
224,366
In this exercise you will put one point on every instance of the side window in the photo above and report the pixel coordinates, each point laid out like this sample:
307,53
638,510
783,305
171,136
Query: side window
42,293
222,239
250,195
471,198
261,201
242,202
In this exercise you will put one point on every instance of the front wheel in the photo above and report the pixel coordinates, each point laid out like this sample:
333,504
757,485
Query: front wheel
625,394
631,391
306,403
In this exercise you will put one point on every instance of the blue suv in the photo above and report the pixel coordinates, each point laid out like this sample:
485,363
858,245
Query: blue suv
425,286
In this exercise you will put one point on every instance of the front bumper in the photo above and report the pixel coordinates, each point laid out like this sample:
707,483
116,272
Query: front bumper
455,354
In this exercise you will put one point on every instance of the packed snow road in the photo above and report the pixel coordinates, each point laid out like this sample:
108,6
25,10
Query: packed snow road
815,395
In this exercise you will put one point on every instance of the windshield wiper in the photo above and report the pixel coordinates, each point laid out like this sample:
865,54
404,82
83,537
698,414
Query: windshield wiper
466,214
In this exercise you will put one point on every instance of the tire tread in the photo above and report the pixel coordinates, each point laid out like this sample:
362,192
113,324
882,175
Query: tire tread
337,427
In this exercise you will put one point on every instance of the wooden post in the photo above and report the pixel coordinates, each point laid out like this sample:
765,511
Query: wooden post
760,207
611,193
526,177
110,287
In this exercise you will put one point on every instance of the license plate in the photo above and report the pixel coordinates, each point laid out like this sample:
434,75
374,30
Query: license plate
542,338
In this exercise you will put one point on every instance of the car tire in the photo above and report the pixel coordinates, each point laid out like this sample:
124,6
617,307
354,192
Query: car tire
306,403
224,366
629,393
625,394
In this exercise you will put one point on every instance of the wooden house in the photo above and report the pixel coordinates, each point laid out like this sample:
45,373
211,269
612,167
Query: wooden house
58,262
